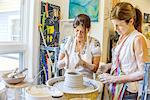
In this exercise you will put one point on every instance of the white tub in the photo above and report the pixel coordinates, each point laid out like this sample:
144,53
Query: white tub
41,92
3,95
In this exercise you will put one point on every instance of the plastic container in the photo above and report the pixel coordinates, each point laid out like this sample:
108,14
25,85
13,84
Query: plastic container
42,92
3,95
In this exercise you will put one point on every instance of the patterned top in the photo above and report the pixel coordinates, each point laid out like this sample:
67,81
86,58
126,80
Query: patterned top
91,48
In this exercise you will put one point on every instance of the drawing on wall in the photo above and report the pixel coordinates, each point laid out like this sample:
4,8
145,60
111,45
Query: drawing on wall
89,7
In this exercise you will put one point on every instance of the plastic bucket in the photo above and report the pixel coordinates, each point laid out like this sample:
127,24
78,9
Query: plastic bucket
3,95
42,92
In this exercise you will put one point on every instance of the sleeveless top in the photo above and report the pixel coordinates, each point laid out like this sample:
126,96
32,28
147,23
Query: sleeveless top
128,60
91,49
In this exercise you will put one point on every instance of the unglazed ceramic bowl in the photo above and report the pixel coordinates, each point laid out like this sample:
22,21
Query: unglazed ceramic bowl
19,78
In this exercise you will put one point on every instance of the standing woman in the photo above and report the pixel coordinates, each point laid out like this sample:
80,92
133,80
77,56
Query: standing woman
80,52
128,56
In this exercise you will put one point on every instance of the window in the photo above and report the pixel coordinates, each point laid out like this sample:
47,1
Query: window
14,28
9,61
10,15
12,35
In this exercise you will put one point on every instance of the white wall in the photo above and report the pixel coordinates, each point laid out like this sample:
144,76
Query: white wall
143,5
33,38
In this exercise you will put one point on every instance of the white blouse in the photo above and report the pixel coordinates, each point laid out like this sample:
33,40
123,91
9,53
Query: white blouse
91,49
128,60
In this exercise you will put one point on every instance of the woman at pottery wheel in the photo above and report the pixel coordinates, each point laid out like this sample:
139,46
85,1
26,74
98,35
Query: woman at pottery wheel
80,52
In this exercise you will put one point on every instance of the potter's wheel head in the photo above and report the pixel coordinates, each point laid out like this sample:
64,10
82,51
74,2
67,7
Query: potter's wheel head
89,86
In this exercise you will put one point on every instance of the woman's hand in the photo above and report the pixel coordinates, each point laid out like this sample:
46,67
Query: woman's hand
66,60
79,61
84,64
63,62
107,78
105,67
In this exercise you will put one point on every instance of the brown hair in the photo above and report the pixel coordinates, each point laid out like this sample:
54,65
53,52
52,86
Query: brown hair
82,19
125,11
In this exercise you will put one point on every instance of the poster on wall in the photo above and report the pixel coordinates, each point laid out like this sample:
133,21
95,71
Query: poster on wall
89,7
146,18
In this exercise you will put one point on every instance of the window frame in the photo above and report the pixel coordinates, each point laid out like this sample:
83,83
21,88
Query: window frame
7,47
17,46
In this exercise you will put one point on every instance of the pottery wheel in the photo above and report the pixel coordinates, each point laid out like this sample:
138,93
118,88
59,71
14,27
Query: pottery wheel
89,86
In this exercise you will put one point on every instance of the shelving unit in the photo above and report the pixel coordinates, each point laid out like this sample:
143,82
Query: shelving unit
49,41
146,82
